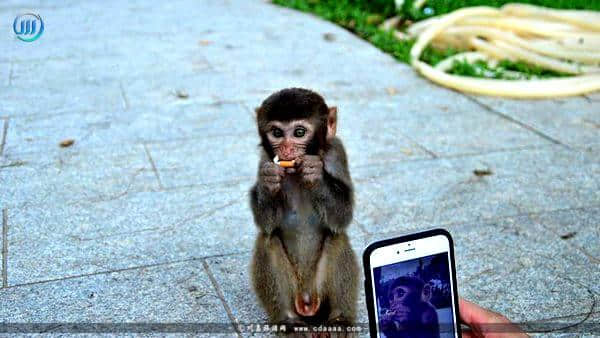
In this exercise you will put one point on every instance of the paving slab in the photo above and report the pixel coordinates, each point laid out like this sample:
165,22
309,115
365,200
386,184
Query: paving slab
417,193
447,125
573,121
216,160
88,97
173,293
69,176
133,230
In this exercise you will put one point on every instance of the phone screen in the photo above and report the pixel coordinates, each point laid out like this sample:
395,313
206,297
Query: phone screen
413,291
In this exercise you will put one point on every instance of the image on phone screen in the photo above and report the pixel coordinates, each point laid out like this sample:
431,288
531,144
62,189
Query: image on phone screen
412,286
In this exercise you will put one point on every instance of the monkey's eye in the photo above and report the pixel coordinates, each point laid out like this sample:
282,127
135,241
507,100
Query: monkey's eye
299,132
277,132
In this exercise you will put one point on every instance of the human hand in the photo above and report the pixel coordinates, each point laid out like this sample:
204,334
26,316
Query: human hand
485,323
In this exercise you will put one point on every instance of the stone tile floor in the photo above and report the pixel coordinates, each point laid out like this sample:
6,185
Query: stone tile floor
145,218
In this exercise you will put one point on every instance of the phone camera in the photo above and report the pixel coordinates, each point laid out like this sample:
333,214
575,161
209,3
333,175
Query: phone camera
398,252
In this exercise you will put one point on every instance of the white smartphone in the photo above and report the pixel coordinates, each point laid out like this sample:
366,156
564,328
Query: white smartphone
410,284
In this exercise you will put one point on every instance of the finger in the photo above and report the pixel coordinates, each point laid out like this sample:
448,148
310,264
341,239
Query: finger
479,319
468,334
273,170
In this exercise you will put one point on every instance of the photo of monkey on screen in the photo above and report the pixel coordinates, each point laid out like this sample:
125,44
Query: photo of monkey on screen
414,298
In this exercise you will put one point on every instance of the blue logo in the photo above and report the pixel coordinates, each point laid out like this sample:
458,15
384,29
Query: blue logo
26,27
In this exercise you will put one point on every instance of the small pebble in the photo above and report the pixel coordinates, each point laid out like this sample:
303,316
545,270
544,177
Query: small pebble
568,235
66,143
329,37
482,172
182,94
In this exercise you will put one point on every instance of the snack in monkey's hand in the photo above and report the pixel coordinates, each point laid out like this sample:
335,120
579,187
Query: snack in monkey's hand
283,164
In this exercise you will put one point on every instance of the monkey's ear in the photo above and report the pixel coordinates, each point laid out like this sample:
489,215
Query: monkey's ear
331,123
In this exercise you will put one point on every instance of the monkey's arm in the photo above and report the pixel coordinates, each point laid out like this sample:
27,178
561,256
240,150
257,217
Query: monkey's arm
335,197
266,209
265,196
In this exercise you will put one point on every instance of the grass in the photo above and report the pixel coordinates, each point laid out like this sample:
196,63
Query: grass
362,17
437,7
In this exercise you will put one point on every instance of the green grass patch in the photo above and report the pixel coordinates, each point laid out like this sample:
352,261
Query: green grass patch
504,70
437,7
362,17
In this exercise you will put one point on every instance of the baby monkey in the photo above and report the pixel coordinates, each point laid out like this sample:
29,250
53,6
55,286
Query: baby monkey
303,268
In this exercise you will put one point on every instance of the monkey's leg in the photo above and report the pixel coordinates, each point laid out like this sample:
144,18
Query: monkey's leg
274,279
339,271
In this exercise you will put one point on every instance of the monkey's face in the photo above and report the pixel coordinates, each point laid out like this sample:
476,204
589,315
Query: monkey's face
405,295
290,139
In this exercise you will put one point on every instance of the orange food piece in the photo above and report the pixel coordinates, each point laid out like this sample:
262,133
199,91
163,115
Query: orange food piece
286,164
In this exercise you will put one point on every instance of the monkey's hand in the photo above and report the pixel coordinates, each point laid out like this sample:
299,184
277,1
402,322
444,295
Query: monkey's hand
270,176
401,313
310,168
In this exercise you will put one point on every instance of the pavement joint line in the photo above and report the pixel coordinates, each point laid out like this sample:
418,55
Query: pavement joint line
362,227
123,96
131,268
4,248
4,132
213,280
517,122
160,185
422,147
100,199
91,111
10,74
51,113
108,146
